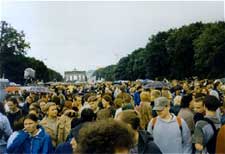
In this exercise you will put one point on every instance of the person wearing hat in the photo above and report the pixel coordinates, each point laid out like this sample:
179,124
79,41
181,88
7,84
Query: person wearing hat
170,133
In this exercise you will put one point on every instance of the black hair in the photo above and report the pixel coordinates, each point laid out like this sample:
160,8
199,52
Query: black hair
211,103
31,117
87,114
56,100
185,101
199,97
14,100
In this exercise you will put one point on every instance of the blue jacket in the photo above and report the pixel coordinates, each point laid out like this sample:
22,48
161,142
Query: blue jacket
64,148
24,143
137,98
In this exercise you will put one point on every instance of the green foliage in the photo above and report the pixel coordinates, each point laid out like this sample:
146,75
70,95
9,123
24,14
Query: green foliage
210,51
13,60
193,50
156,57
107,73
180,50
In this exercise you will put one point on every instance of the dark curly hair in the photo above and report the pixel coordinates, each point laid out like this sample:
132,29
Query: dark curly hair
104,137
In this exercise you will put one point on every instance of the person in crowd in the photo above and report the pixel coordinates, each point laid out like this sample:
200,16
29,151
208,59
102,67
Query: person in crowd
175,129
64,123
32,139
206,129
108,104
105,136
186,112
42,103
87,115
28,102
220,148
14,112
199,107
175,107
143,140
145,109
137,98
51,123
5,129
154,95
104,114
77,103
20,101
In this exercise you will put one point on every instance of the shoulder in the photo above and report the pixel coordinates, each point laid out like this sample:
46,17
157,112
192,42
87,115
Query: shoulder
201,123
43,121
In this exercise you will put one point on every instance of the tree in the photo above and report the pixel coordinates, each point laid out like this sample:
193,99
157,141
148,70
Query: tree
122,69
210,51
156,56
12,43
181,51
13,60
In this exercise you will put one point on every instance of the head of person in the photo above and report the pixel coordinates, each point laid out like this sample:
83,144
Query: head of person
93,102
87,114
12,103
29,99
139,88
42,103
211,103
33,111
105,136
51,110
107,101
145,96
104,114
130,117
198,103
162,107
205,90
166,93
34,106
118,103
186,101
155,94
145,110
18,124
30,124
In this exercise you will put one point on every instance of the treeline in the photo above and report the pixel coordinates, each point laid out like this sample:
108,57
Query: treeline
13,59
193,50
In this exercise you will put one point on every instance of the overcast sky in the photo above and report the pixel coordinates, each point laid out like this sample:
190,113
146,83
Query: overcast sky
88,35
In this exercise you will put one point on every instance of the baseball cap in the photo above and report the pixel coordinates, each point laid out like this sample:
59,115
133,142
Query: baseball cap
160,103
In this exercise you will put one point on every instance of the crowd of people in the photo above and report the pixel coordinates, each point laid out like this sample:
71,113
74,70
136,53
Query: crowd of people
185,117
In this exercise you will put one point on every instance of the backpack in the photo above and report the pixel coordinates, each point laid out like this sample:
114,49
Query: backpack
211,145
178,121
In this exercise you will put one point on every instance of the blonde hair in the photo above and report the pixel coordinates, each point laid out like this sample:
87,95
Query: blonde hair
47,106
145,96
145,111
155,94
